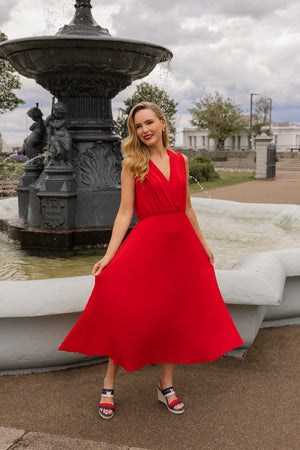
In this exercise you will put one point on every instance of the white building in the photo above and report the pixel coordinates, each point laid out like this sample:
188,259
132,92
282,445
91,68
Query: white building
286,137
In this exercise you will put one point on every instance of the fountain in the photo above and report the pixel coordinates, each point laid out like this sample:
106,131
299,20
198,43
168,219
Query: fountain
74,198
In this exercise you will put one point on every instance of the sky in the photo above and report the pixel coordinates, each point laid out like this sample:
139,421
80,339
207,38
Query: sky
235,47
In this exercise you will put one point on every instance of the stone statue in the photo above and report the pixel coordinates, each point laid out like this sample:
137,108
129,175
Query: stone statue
33,145
59,138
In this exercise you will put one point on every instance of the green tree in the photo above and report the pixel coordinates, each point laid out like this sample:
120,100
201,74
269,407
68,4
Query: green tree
220,116
146,92
261,116
8,82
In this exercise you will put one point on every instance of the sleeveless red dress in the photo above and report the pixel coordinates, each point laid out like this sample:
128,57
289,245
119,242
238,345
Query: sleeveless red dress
158,299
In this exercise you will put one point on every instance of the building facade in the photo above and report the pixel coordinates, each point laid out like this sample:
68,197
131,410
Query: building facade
286,136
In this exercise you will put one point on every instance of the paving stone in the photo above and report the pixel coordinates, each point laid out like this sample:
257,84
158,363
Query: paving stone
38,441
8,436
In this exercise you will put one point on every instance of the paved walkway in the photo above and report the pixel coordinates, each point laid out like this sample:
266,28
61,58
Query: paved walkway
251,403
284,189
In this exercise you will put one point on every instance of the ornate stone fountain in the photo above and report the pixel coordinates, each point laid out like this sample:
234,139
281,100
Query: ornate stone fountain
74,200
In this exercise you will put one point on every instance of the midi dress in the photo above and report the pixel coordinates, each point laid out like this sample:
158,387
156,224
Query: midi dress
158,299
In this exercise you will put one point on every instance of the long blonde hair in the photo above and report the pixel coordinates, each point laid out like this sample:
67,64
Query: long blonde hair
137,153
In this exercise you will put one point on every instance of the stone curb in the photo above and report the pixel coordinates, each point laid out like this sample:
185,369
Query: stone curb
14,438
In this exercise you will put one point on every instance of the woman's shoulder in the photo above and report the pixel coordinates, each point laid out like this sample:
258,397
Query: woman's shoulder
127,165
179,155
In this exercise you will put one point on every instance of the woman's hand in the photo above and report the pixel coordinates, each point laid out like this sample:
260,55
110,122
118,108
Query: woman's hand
99,266
210,256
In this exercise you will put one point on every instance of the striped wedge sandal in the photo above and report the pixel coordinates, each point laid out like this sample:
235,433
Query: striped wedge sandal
106,406
163,394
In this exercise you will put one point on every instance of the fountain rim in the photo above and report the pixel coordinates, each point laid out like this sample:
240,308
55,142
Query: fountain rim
69,39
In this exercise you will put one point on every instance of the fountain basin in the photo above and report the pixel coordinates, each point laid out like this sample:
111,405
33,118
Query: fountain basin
36,315
261,290
53,60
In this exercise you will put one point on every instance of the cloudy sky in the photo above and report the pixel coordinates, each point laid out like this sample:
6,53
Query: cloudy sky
232,46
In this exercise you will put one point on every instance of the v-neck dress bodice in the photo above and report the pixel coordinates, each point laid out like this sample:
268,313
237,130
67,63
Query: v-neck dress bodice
158,299
156,195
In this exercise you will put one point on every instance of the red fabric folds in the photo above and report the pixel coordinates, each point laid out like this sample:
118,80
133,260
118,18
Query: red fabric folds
158,299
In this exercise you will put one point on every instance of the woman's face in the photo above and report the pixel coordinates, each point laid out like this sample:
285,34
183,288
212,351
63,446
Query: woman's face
148,127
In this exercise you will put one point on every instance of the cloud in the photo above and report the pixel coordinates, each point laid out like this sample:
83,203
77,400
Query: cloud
6,9
161,22
231,46
255,8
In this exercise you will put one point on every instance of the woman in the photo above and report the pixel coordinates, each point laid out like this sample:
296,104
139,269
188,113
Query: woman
156,299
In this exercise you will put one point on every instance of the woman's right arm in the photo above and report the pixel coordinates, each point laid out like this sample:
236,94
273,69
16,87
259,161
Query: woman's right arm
123,218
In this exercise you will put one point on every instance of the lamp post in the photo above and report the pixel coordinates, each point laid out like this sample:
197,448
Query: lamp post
270,100
251,104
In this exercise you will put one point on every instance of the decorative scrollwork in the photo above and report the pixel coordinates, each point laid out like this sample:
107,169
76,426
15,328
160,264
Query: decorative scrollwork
100,165
53,215
95,87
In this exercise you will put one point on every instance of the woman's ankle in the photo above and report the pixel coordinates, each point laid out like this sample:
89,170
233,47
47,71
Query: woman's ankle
108,383
165,382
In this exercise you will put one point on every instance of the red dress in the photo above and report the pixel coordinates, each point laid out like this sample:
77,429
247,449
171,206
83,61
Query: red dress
158,299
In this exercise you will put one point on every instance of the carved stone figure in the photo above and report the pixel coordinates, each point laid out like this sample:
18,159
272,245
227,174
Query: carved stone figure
59,138
33,145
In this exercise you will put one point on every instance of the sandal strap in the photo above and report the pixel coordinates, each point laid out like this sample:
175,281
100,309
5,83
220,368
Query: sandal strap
107,392
168,391
174,403
106,406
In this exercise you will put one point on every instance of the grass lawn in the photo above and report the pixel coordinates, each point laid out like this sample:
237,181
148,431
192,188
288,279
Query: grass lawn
226,179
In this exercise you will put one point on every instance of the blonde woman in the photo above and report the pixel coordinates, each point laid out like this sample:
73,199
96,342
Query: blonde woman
156,298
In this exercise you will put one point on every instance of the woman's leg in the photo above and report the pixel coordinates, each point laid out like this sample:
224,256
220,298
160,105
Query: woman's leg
166,380
109,383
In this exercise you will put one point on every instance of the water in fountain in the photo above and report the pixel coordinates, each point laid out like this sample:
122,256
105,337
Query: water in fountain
161,75
233,230
53,14
200,185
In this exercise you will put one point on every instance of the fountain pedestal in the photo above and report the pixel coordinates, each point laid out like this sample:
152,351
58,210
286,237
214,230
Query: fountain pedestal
98,181
31,175
57,199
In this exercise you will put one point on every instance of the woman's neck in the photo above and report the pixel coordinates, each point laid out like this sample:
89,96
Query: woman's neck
157,152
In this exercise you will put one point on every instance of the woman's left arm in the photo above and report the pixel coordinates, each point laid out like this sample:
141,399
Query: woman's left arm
192,215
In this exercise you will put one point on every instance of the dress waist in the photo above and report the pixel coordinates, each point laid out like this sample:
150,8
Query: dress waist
162,215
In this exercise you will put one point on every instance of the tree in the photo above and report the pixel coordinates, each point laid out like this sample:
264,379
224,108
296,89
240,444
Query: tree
261,116
8,81
220,116
146,92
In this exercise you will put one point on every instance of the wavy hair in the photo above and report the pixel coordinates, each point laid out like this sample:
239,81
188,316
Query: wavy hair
132,147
